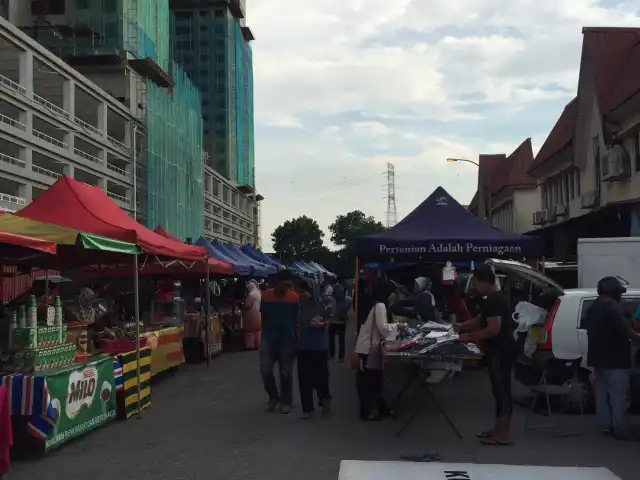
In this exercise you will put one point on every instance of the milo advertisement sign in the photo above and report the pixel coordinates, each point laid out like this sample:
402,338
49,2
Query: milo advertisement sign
83,398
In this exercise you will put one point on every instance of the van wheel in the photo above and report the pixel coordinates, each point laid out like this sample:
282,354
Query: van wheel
579,391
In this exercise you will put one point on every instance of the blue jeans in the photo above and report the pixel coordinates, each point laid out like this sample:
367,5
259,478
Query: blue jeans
612,399
280,351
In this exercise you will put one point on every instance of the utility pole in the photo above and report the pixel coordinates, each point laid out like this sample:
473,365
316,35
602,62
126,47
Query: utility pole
392,213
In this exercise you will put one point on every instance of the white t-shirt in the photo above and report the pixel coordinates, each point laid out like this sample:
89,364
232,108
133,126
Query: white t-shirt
371,333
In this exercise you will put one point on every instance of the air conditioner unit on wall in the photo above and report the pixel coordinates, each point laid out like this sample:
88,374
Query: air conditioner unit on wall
619,163
589,199
560,210
537,217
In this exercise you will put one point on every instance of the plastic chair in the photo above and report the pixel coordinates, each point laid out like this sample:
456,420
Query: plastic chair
566,391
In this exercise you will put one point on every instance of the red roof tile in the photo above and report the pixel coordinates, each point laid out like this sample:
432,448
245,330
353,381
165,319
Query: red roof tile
560,136
513,169
615,57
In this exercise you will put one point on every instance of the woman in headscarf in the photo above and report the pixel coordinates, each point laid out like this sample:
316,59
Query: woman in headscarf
251,314
421,307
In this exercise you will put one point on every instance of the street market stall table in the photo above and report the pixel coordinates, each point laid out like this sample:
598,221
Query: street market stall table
195,337
166,348
62,403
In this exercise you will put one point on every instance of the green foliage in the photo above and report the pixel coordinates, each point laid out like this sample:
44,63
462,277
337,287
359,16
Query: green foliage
298,239
352,225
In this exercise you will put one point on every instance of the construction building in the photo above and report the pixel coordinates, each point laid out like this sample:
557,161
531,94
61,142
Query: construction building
213,43
54,121
123,47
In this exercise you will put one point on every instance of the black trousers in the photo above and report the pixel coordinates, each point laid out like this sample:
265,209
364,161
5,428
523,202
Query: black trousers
337,329
500,367
313,374
370,385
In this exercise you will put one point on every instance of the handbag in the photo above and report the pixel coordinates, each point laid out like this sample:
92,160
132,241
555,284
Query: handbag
374,357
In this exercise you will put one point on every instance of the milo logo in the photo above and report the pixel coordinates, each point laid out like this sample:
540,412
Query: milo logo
81,391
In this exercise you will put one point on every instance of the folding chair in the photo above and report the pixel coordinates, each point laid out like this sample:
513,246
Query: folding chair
570,389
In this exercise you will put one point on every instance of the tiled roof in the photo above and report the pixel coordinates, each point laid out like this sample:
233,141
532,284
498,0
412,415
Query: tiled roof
488,165
614,54
560,136
513,169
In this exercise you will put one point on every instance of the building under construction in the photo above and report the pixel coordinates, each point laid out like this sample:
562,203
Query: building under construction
123,46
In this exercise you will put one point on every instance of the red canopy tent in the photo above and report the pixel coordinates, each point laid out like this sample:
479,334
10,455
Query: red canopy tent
73,204
165,233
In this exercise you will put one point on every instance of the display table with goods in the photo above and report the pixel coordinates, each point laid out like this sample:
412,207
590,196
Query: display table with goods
54,394
195,337
166,347
420,358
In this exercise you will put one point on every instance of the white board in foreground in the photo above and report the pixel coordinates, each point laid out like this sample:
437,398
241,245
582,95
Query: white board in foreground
355,470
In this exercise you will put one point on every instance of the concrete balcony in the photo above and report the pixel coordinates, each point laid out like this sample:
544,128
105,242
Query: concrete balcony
11,203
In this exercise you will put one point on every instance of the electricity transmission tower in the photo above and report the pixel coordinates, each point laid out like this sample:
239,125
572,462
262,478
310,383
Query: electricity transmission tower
392,214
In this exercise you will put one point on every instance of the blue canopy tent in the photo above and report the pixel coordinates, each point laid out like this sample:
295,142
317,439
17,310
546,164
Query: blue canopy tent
300,265
322,269
255,269
297,271
238,268
441,229
256,254
261,269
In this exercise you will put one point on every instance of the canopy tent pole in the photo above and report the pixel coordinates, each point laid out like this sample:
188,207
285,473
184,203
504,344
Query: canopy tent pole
355,292
136,295
207,297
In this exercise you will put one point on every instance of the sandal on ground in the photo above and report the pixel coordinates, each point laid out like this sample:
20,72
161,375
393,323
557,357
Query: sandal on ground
491,441
485,434
306,416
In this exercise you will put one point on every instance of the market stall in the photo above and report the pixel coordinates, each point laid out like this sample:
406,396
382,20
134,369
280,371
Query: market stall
439,231
125,368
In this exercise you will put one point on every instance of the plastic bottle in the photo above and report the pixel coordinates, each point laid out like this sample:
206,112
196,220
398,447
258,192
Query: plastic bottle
58,307
33,312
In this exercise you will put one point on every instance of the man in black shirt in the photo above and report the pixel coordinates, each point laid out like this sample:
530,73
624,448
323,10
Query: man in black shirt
494,329
609,341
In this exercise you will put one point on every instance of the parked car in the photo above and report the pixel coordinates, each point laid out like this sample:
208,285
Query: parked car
562,338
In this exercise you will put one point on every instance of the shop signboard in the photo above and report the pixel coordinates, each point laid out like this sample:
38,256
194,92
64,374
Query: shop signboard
83,398
357,470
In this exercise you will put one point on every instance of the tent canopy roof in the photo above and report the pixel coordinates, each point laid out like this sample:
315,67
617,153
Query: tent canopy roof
442,229
76,205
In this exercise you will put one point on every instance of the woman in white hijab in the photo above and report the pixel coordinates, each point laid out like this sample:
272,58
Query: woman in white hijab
252,321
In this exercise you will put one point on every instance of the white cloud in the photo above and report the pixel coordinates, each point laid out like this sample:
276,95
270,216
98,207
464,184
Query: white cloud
357,83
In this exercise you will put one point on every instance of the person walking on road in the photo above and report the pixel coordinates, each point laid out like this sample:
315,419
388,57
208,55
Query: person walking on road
251,316
279,310
609,337
313,344
494,329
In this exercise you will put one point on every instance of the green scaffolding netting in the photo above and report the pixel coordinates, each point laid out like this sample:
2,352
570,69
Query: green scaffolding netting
173,117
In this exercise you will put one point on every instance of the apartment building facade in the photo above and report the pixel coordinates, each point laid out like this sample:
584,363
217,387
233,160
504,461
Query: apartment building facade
54,121
588,169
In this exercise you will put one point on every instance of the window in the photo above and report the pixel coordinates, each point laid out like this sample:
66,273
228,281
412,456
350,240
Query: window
110,6
218,13
82,4
629,307
53,7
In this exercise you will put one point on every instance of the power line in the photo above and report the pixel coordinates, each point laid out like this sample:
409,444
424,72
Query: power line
392,213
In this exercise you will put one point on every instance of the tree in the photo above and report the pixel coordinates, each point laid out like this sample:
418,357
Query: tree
298,239
352,225
344,232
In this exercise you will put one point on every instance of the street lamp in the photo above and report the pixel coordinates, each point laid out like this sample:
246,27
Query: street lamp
481,188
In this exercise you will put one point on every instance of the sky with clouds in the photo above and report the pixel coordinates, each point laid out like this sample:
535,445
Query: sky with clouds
342,87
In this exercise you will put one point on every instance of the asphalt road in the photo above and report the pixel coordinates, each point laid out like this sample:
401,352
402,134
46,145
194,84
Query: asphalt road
210,424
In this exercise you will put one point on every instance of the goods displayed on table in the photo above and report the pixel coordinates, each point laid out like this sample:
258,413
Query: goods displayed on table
34,346
166,348
432,339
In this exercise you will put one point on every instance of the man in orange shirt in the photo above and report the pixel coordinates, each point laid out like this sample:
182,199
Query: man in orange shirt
279,309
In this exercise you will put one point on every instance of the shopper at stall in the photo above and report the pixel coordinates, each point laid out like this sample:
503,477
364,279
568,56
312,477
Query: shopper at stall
313,345
252,322
337,328
494,329
367,360
363,301
421,306
609,336
279,310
